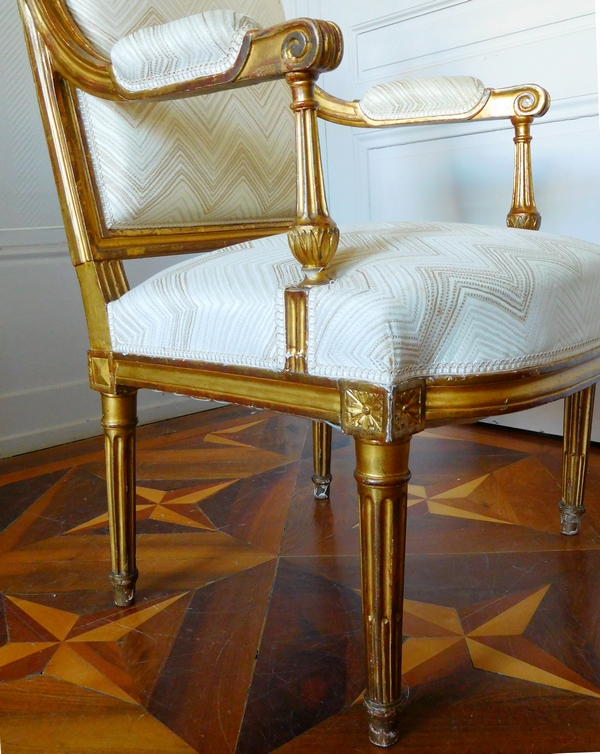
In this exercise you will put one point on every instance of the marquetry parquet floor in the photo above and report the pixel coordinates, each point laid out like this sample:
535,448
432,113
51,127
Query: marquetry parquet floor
246,635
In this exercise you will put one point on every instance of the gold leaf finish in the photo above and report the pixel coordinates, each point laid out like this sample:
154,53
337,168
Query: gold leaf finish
409,410
523,213
295,329
578,414
365,411
313,246
382,476
314,237
119,420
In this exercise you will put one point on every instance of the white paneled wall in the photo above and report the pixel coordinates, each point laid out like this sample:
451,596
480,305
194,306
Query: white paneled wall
463,172
44,393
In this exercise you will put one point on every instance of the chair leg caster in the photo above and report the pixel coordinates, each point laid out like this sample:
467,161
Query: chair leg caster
124,588
322,485
570,518
384,722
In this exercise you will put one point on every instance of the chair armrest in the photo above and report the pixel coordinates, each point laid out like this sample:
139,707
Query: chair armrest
200,54
181,51
444,99
443,96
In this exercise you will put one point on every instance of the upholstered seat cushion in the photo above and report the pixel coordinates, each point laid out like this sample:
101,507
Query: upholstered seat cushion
406,299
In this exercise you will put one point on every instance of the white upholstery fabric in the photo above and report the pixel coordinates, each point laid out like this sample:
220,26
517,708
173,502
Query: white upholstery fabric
407,299
224,158
201,45
422,98
223,306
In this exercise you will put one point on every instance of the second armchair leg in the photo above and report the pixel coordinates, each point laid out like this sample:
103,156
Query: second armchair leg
579,409
382,475
119,421
321,460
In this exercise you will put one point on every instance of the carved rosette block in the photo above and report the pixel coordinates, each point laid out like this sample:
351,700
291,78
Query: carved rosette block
409,410
364,412
101,371
119,421
523,212
382,476
375,413
578,414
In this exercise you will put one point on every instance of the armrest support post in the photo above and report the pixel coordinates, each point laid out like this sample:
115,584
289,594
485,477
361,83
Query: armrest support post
314,237
523,212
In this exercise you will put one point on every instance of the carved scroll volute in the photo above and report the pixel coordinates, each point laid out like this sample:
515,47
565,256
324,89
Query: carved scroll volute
523,213
314,237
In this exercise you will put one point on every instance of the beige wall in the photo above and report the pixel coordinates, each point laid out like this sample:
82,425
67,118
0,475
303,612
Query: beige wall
44,394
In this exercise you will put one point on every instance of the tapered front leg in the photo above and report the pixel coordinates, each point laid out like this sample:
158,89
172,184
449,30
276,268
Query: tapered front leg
119,420
579,409
382,475
321,460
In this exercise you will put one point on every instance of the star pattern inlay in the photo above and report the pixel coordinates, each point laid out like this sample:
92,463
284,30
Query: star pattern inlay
456,503
82,650
179,506
173,507
442,640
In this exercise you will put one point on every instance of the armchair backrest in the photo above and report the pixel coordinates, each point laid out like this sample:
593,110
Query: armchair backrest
206,165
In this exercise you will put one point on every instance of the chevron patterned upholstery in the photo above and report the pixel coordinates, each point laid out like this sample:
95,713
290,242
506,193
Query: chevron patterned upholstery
182,50
221,159
422,98
406,299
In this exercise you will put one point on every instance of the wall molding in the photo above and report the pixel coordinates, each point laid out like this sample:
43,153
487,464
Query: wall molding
52,235
84,420
452,54
32,244
415,11
33,253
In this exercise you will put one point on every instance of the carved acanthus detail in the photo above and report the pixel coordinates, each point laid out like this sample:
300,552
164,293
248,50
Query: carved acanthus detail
524,220
314,247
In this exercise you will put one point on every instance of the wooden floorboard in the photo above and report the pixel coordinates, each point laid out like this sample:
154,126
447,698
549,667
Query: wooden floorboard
246,636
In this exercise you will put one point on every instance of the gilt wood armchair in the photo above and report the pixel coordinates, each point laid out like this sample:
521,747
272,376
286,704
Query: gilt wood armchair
183,126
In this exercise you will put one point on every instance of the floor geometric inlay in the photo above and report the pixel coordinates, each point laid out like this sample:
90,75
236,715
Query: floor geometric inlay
87,655
490,636
247,637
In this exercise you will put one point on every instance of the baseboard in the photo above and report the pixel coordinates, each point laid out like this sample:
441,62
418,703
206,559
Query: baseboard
152,407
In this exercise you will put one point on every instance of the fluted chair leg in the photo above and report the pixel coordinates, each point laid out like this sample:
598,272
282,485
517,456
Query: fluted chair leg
382,475
119,420
579,409
321,460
